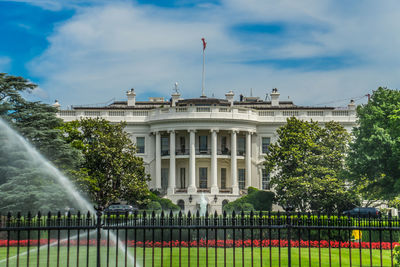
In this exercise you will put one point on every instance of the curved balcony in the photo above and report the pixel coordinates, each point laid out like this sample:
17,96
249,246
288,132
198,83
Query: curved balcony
213,112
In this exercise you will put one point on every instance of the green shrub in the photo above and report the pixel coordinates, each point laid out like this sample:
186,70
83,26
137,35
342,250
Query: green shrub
257,200
154,205
165,203
238,206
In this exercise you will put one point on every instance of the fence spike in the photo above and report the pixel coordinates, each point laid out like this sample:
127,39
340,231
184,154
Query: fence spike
207,214
153,214
242,214
224,214
39,214
135,214
144,214
233,214
180,214
251,214
49,215
18,215
197,213
215,214
78,214
29,215
59,214
189,214
69,214
162,214
171,214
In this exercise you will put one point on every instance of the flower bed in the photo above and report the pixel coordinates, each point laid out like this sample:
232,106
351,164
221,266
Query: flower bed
211,243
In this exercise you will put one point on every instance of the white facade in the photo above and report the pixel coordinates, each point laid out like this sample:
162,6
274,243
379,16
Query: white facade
207,147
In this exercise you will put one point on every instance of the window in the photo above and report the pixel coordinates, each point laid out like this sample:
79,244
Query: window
241,178
164,145
265,180
183,177
182,144
241,145
181,204
140,145
223,178
164,178
265,143
203,177
224,202
224,148
203,143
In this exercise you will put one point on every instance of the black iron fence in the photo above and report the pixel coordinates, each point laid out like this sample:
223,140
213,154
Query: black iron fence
167,239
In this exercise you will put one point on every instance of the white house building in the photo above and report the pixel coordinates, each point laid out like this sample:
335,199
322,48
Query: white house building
206,147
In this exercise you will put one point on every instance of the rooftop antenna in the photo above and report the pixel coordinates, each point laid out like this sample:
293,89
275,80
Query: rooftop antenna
202,81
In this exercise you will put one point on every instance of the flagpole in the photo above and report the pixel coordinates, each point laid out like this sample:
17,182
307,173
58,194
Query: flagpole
202,83
203,74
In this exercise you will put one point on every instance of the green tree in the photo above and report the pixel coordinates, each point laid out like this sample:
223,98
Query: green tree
374,156
111,171
11,88
25,184
307,163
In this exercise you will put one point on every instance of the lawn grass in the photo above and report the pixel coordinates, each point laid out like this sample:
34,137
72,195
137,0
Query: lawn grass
148,255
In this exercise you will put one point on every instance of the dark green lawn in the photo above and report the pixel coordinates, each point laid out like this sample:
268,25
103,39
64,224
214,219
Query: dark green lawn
386,258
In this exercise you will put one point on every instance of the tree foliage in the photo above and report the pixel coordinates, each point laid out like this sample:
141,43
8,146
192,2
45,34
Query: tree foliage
374,157
254,200
111,171
25,184
307,163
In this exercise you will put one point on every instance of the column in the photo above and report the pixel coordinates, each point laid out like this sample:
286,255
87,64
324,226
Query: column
192,164
158,160
235,186
214,166
248,160
172,175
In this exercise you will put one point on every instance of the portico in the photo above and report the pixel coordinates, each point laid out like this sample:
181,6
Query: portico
212,155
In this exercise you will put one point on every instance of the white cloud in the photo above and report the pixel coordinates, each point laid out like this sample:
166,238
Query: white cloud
102,51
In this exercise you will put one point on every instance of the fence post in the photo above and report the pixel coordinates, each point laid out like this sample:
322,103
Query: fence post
289,237
98,227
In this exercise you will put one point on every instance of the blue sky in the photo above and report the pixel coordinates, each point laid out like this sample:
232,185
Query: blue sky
313,51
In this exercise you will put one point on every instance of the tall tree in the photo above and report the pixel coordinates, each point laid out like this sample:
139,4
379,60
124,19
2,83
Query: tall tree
11,88
113,172
25,185
374,157
306,165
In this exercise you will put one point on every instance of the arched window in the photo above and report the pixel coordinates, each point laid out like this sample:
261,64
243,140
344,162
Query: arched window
224,202
181,204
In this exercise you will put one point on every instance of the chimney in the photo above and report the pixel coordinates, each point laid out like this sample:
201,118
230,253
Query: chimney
351,105
229,96
275,98
57,105
175,96
131,97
